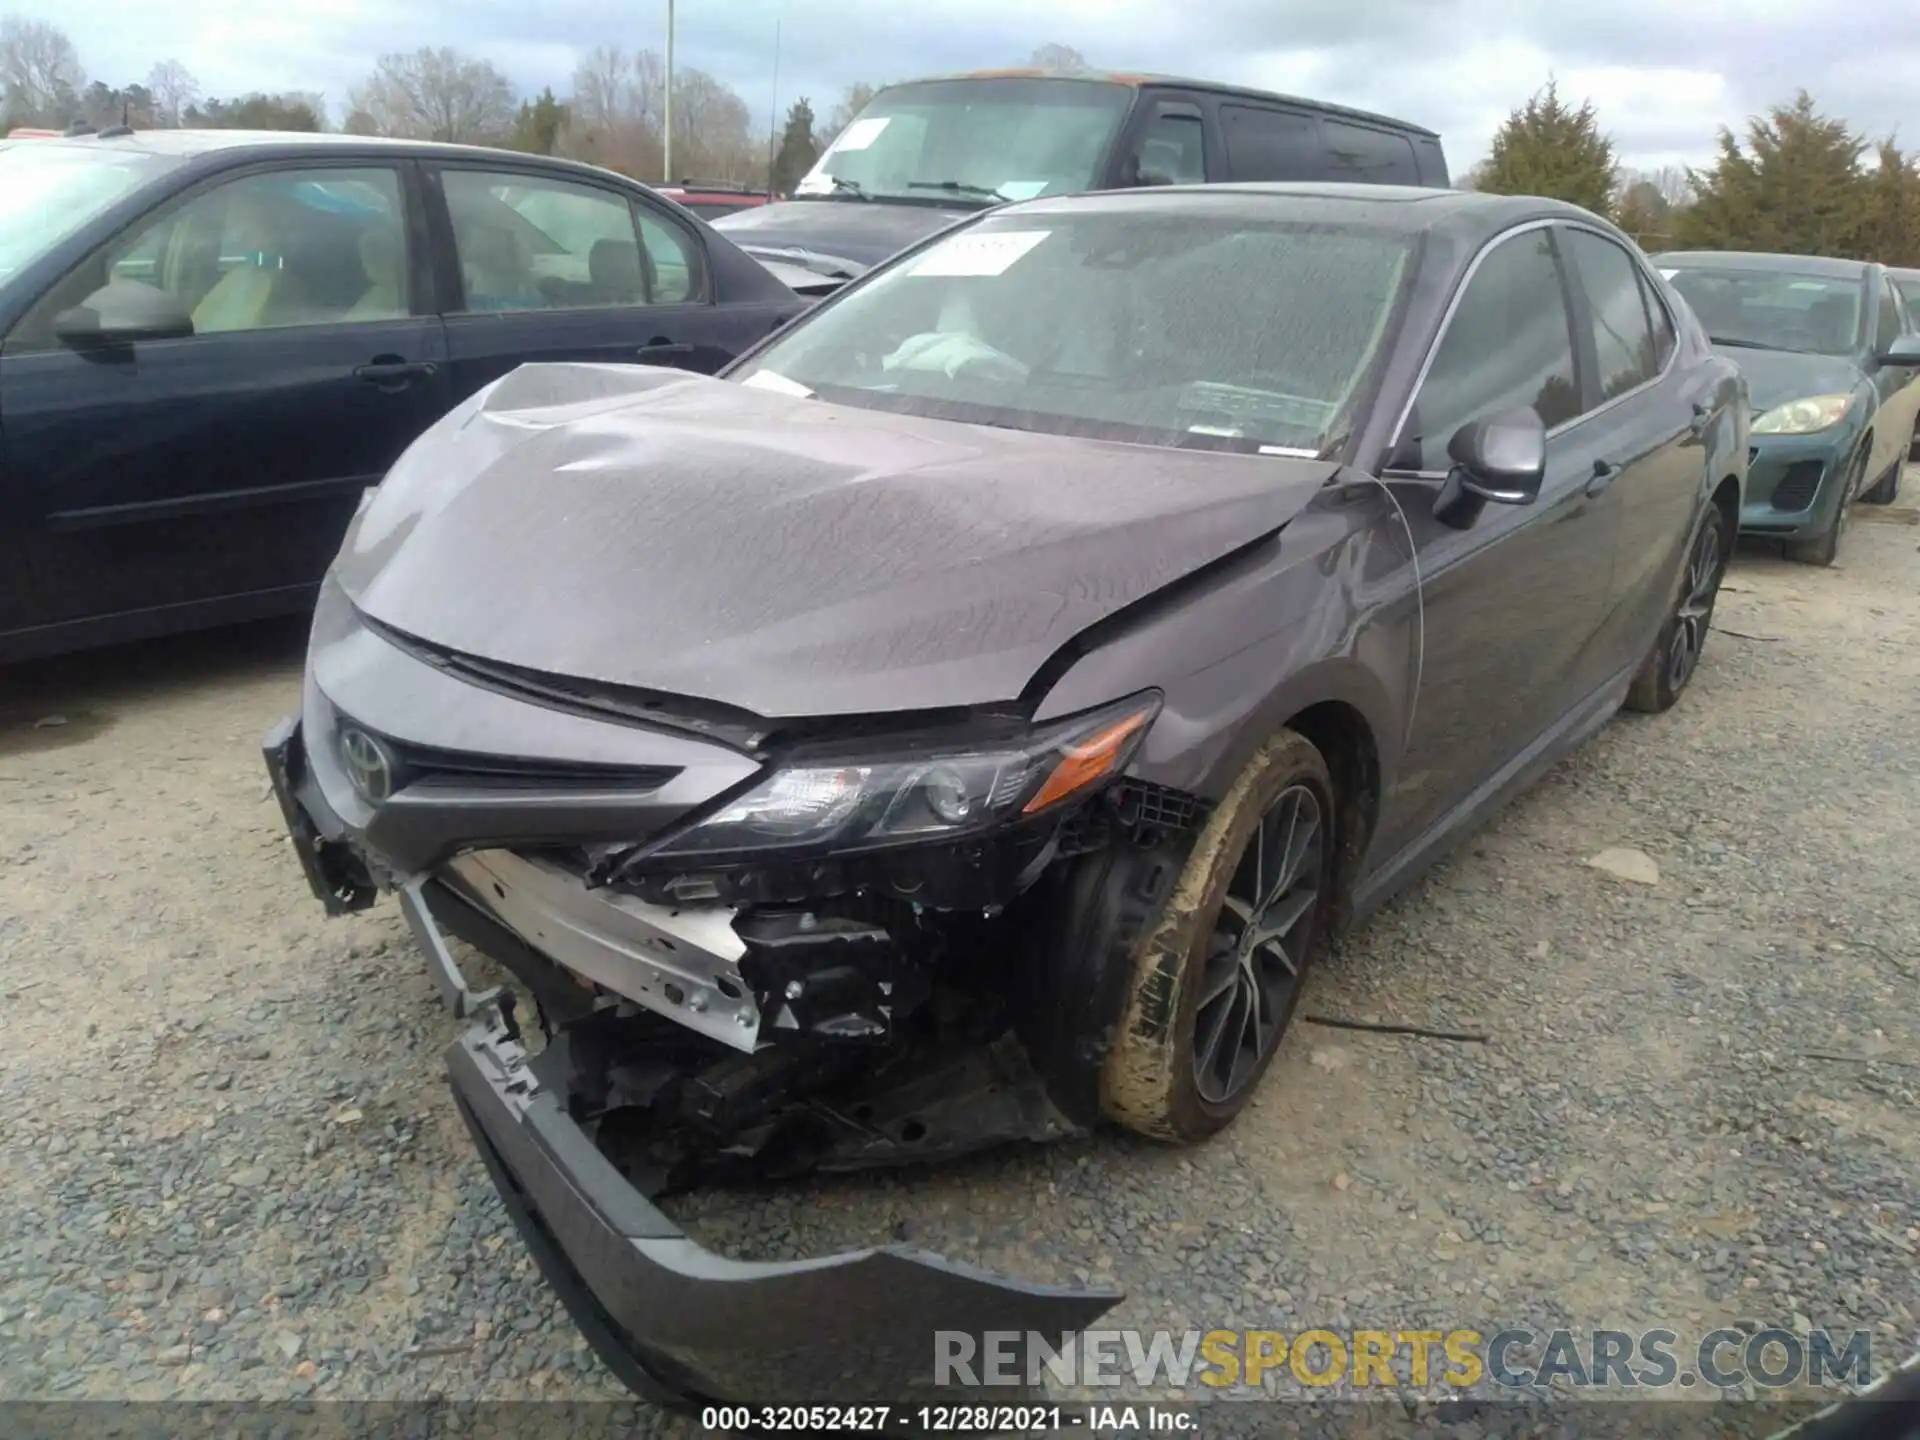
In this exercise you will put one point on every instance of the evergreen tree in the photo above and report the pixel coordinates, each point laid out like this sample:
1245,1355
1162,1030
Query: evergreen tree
1893,209
539,123
1548,147
1644,213
798,150
1795,188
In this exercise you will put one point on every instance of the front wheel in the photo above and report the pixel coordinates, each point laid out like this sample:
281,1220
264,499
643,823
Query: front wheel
1217,976
1683,636
1887,491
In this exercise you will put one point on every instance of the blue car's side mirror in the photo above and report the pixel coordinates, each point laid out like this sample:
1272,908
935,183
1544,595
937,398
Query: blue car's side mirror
1905,350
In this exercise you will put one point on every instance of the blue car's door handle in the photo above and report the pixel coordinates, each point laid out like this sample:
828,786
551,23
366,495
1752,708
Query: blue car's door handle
661,348
392,374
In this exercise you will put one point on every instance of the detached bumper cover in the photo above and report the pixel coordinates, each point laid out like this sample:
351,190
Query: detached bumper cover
674,1322
681,1324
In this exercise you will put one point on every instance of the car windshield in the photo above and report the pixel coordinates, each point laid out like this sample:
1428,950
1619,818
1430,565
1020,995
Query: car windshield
1198,328
1772,309
49,190
973,141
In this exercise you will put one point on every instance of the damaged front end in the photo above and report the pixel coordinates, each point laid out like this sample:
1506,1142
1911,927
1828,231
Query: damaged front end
773,957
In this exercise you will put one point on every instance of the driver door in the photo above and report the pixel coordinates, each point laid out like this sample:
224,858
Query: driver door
1512,604
173,477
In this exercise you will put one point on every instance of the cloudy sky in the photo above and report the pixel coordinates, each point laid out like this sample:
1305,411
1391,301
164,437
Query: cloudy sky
1664,76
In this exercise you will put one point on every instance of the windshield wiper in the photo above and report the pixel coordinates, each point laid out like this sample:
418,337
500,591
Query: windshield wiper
843,186
959,187
1741,344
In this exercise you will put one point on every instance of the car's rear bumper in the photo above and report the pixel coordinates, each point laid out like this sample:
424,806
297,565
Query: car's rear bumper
674,1322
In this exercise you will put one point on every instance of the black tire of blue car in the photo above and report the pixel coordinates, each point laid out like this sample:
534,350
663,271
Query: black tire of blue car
1683,636
1887,489
1824,548
1225,961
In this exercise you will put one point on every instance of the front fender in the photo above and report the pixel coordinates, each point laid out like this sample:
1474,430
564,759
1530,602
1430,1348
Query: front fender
1327,613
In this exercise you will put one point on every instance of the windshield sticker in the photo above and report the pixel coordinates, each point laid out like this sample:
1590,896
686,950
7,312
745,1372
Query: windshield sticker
1022,189
778,383
860,134
1669,274
978,254
1808,285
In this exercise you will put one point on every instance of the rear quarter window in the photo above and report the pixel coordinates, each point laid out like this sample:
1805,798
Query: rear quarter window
1362,153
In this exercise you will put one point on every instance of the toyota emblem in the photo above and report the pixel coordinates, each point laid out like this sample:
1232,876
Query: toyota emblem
368,765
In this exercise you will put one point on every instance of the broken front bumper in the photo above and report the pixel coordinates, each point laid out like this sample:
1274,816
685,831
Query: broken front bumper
674,1322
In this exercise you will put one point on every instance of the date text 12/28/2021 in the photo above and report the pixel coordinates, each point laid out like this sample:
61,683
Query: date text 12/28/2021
947,1419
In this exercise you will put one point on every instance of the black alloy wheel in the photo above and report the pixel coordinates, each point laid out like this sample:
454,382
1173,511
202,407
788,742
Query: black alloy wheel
1683,637
1259,948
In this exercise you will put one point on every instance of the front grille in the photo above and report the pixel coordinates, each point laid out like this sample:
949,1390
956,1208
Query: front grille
1798,485
425,762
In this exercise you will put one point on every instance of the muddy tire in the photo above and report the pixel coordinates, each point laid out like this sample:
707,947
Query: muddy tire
1887,491
1224,962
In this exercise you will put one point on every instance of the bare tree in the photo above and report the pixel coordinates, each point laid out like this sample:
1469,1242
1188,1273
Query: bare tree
436,94
615,110
174,92
852,101
40,74
1059,57
712,130
1675,185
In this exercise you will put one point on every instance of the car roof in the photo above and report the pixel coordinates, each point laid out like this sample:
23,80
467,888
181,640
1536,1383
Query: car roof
1766,260
1135,79
194,144
1405,208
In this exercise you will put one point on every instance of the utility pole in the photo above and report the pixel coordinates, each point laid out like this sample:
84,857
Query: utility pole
666,140
773,109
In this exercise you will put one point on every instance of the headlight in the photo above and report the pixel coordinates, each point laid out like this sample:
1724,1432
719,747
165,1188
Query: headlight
940,793
1803,417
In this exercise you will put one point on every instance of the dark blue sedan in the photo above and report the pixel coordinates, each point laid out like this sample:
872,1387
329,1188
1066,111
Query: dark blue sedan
214,342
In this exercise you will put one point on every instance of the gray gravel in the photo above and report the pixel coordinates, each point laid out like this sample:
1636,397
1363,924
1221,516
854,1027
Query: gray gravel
233,1171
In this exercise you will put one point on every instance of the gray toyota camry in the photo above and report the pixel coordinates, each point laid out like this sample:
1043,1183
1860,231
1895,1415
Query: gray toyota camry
966,718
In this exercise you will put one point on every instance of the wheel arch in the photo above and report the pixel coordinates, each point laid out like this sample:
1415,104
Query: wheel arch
1341,733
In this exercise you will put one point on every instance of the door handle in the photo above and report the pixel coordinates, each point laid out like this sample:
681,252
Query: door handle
394,374
1605,472
1702,414
661,348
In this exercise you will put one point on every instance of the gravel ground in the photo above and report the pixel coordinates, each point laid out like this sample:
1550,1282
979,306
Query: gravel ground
233,1171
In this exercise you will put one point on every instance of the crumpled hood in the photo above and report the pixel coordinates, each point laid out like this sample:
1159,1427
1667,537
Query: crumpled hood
1775,377
866,232
699,537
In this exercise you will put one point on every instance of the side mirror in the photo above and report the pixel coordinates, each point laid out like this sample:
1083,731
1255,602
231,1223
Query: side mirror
1905,350
122,312
1500,460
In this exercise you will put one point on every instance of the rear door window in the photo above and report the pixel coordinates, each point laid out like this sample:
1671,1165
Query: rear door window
1623,341
1264,143
1664,339
1363,154
1431,161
